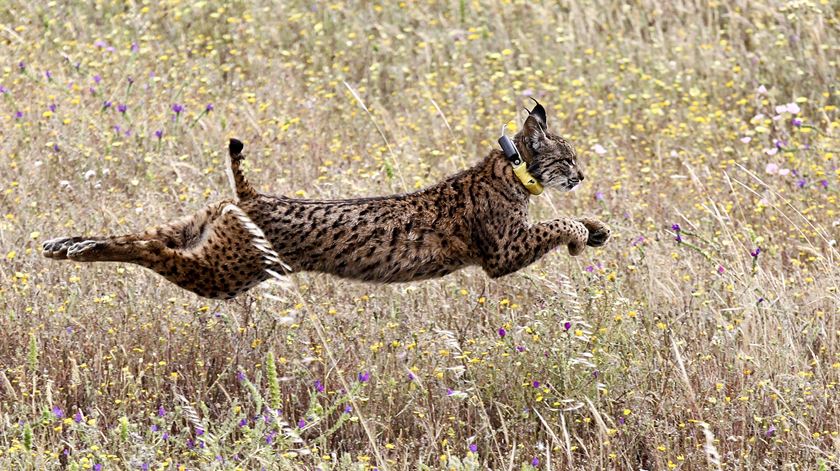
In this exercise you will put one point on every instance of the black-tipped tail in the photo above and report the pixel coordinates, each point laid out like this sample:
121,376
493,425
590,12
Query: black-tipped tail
235,147
243,189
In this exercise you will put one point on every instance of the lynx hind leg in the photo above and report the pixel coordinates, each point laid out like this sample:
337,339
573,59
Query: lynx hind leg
230,256
216,253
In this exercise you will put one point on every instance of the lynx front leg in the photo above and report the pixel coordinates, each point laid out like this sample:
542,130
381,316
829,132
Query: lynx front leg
523,246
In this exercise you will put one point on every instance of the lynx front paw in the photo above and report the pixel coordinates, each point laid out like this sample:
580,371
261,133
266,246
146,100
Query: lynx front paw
599,233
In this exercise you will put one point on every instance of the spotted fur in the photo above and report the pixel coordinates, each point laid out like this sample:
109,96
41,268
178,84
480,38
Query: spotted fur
476,217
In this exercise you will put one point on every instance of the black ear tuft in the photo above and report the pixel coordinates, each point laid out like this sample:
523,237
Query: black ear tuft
235,147
539,112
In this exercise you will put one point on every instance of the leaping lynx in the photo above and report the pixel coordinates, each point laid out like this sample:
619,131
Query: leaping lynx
476,217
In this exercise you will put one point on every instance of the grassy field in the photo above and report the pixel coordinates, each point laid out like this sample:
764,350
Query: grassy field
706,335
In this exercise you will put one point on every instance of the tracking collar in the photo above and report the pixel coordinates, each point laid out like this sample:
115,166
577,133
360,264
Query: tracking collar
520,168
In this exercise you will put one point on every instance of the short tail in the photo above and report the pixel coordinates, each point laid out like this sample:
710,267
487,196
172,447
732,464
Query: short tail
240,185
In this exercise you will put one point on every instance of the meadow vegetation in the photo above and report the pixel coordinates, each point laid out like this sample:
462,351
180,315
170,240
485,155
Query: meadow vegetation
704,335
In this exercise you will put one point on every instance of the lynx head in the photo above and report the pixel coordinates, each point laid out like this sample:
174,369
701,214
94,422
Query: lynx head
551,159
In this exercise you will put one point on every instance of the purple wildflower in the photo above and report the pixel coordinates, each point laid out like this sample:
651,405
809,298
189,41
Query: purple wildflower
18,114
824,183
22,66
535,384
97,467
3,90
48,75
55,148
243,422
130,80
621,420
161,411
177,108
410,376
589,268
165,436
720,270
301,423
364,377
676,228
520,348
122,108
535,462
502,332
796,122
199,431
770,431
106,105
134,47
599,196
53,107
348,409
801,183
319,386
57,412
154,428
97,79
754,253
77,417
567,325
473,447
450,391
240,375
209,108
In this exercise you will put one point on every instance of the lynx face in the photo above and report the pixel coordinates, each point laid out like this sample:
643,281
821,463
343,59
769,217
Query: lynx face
553,159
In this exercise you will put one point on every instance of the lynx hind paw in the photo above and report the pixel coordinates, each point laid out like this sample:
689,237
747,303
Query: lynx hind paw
57,248
83,251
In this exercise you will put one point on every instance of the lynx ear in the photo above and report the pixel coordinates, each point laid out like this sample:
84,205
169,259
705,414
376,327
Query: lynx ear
533,132
539,113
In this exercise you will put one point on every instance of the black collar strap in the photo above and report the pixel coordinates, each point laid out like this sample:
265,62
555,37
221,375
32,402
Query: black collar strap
519,167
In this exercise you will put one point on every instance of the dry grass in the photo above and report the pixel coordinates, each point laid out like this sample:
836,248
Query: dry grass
647,354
